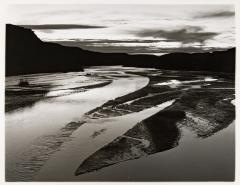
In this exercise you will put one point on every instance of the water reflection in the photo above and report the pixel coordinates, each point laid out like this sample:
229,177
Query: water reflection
210,159
42,128
155,134
83,144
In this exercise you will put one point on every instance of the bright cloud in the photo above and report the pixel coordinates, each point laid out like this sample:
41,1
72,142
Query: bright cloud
156,28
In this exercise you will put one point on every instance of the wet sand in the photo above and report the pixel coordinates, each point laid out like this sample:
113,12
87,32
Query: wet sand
210,159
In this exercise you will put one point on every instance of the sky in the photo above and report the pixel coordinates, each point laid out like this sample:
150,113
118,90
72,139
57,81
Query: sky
149,29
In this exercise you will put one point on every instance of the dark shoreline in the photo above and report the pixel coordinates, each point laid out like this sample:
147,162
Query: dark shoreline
27,54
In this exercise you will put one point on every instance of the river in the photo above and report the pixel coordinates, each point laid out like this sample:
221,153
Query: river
28,128
48,140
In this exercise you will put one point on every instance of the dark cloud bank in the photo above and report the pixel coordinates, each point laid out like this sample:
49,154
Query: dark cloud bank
61,26
188,34
216,14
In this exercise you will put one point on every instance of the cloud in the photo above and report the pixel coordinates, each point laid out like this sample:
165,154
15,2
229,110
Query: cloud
188,34
57,12
138,49
61,26
216,14
108,41
47,31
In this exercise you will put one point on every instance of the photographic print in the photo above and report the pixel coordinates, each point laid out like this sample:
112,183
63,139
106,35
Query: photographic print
120,92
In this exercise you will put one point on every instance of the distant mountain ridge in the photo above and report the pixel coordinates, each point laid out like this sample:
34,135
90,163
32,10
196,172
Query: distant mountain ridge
26,54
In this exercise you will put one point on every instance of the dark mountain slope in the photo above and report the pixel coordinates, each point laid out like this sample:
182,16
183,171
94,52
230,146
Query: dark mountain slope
25,54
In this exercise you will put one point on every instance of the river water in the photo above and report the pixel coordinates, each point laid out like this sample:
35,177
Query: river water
210,159
48,141
28,128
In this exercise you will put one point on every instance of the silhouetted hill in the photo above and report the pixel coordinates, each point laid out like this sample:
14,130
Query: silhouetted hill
25,54
219,61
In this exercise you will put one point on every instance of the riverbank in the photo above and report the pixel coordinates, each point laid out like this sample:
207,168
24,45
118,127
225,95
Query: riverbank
46,86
